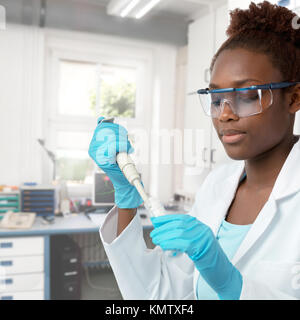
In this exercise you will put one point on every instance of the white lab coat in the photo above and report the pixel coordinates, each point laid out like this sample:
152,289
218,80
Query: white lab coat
268,257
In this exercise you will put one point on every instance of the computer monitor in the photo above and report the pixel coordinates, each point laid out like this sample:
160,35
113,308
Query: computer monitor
103,190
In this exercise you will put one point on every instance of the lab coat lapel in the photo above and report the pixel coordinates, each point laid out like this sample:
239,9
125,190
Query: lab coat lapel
288,180
286,184
223,195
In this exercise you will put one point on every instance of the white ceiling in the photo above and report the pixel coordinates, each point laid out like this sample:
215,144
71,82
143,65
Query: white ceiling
184,10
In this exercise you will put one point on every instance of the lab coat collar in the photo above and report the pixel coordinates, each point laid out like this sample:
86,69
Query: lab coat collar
286,184
288,180
223,194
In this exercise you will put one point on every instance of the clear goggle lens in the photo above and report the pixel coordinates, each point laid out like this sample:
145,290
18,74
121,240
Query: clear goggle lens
242,103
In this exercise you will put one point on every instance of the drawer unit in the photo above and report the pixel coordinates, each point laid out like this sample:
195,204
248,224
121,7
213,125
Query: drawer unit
24,264
9,201
26,295
22,269
40,201
23,282
23,246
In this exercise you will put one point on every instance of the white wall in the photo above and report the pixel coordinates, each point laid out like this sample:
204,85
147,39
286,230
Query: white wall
22,102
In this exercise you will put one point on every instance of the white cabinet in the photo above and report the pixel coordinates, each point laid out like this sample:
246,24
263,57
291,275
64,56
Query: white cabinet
204,38
22,273
23,246
23,264
200,51
22,295
22,282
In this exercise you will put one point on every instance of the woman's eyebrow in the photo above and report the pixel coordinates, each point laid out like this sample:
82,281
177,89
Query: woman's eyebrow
235,84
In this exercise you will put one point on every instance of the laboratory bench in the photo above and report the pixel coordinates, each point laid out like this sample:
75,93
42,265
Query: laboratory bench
25,254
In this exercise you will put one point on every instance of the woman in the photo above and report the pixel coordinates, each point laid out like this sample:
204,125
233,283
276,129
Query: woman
241,239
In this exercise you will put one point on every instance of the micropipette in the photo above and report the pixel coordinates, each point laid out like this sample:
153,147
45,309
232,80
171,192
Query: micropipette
128,168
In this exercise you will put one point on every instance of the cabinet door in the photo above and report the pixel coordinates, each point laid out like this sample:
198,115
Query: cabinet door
22,264
218,154
21,246
22,282
204,38
200,53
197,135
22,295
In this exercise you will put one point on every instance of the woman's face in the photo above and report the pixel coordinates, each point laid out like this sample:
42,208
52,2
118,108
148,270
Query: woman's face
236,68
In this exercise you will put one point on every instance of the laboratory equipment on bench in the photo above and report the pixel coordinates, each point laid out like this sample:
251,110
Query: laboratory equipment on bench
38,199
17,220
103,193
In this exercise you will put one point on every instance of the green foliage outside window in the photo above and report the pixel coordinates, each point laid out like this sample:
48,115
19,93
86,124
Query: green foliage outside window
117,100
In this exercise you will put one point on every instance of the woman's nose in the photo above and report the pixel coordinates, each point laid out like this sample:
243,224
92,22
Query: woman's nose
226,111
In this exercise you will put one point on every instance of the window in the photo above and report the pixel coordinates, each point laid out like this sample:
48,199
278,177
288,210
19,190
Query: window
77,83
73,164
85,91
117,92
88,76
81,86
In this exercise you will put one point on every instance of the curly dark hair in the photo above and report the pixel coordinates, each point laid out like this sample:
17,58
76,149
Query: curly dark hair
266,28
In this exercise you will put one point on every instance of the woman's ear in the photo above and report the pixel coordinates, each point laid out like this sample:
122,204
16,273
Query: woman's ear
294,98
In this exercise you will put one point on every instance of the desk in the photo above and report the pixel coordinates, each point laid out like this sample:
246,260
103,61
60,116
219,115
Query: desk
38,245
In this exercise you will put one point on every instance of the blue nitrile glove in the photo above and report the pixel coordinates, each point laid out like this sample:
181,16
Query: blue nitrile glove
109,139
187,234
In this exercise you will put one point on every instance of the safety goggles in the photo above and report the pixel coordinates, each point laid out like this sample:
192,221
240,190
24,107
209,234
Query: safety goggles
243,102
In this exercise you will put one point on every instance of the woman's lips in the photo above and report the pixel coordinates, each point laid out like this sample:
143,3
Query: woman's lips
233,138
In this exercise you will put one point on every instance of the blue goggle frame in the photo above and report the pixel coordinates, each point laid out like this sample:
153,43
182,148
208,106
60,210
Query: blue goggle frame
274,85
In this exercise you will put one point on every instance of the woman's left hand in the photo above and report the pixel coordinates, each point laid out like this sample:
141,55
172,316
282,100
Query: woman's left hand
182,232
185,233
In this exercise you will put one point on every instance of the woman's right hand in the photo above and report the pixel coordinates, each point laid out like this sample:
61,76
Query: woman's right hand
108,140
